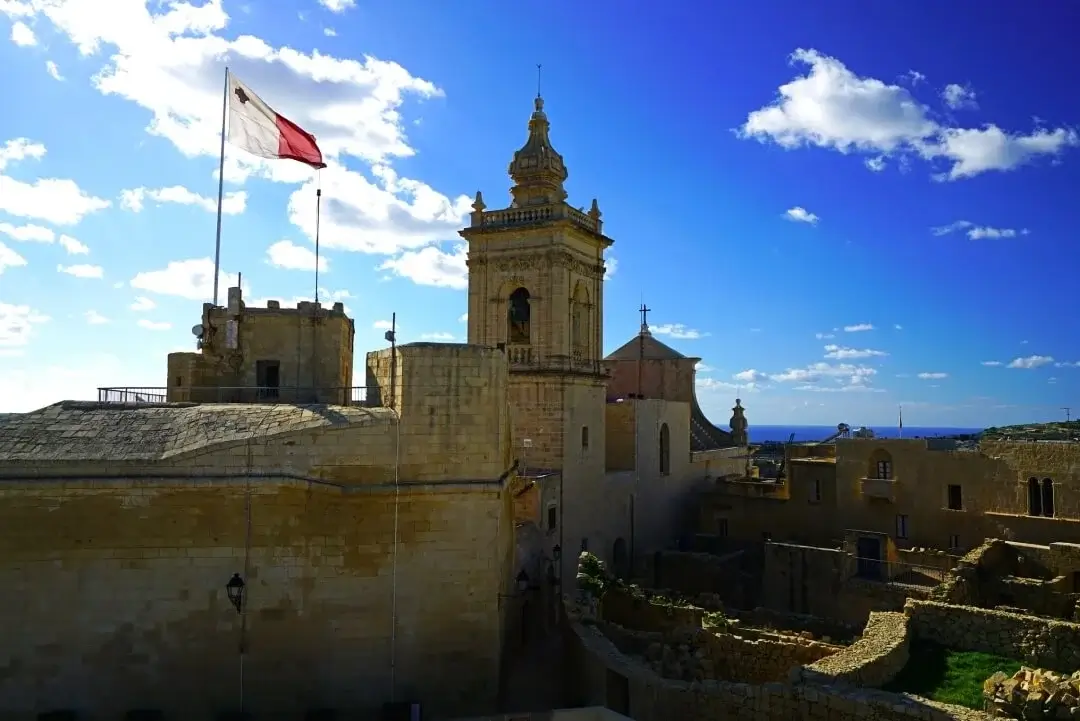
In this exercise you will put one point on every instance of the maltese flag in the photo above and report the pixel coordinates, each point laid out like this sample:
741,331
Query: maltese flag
256,128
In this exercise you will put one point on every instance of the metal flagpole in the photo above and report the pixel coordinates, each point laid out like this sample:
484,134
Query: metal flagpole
318,211
221,184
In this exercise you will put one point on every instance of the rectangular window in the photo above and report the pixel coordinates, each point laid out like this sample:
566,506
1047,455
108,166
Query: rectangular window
884,470
552,517
816,494
722,527
901,526
955,498
954,542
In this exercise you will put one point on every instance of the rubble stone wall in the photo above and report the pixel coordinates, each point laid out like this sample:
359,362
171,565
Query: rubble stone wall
1042,642
604,673
872,661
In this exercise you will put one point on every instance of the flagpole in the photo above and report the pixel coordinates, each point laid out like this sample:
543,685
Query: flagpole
901,421
318,211
221,183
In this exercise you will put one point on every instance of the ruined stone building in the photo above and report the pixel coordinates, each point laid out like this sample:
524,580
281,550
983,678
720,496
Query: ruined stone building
261,532
901,511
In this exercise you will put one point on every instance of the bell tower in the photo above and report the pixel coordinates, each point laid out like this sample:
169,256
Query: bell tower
536,282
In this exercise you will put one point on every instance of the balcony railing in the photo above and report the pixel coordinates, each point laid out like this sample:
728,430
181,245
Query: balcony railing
899,574
884,488
355,396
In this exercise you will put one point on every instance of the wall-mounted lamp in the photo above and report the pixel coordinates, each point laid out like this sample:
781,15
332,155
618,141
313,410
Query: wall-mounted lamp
235,590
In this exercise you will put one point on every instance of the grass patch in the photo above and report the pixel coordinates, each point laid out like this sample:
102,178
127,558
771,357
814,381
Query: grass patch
947,676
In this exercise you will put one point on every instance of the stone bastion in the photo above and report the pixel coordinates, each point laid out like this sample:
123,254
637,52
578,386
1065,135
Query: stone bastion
655,659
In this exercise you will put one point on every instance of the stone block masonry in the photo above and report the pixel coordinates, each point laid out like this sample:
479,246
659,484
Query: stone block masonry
1042,642
872,661
112,596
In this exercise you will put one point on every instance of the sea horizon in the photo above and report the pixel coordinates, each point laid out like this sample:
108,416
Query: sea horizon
804,434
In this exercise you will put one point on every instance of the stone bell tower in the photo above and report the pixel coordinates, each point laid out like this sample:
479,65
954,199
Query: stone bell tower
536,280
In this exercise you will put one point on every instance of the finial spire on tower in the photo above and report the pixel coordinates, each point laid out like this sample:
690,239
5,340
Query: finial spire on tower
539,67
538,171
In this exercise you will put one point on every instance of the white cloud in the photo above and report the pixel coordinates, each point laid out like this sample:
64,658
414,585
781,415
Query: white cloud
383,325
751,376
289,255
169,58
824,336
799,214
897,326
1031,361
677,330
977,232
82,270
432,266
192,279
913,76
464,318
932,376
22,35
54,200
611,264
153,325
142,303
337,6
711,384
876,164
959,97
832,107
1067,364
95,318
840,373
991,364
30,388
28,233
437,337
53,71
73,246
836,352
384,216
10,259
232,203
20,149
702,367
329,32
858,328
17,325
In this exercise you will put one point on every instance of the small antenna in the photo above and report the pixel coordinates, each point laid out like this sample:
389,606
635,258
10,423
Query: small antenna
1068,412
539,67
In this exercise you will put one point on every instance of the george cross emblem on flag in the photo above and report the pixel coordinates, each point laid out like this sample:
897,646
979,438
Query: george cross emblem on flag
241,95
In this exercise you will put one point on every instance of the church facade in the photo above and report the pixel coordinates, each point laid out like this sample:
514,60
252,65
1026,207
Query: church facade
258,534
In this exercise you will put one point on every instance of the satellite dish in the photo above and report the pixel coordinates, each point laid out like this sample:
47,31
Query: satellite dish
197,330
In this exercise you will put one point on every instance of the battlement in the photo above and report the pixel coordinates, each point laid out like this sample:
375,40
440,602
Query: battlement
304,353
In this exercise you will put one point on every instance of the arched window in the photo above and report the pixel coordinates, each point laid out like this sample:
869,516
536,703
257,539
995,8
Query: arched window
579,318
519,316
1048,497
1034,497
665,450
880,465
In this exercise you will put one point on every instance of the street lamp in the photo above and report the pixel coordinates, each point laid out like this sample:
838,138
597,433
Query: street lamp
235,590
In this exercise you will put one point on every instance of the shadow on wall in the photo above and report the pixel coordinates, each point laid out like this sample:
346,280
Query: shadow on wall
827,689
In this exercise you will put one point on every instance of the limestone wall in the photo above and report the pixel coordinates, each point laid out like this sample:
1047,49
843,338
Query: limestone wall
872,661
1041,642
607,676
693,574
112,595
624,608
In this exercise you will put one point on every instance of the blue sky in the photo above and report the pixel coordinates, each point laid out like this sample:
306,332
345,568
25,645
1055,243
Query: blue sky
839,208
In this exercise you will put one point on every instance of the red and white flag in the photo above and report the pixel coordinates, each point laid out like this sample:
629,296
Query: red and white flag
256,128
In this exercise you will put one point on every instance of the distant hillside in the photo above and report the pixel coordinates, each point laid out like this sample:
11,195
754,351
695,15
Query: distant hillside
1057,431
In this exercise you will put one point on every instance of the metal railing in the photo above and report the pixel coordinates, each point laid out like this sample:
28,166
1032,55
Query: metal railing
900,574
341,396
